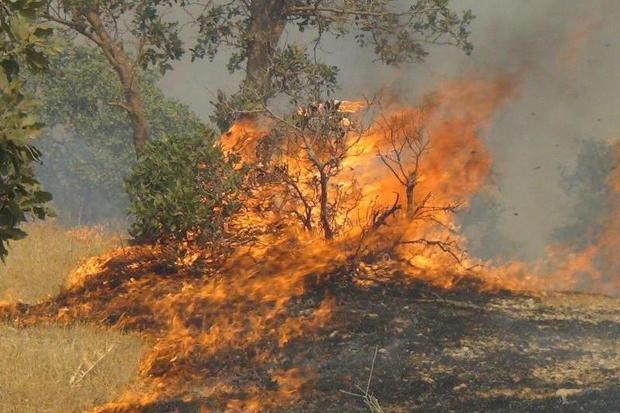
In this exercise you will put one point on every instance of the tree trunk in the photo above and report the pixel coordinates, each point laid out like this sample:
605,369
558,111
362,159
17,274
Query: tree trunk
325,224
268,19
410,200
121,63
139,122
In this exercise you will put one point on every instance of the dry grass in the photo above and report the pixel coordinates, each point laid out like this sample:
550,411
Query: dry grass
371,402
38,265
58,369
43,369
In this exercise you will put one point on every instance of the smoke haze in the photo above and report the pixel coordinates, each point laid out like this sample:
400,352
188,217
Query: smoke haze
566,56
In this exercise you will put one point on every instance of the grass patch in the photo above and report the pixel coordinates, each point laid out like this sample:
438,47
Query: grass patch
38,265
58,369
42,369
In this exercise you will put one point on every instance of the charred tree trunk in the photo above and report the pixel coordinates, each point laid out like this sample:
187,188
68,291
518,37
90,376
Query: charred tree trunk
325,224
121,63
410,199
268,19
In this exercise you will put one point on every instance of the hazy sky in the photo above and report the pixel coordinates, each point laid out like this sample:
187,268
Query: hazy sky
568,55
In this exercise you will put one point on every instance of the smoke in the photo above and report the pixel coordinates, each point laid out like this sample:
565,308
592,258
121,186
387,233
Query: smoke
588,183
566,55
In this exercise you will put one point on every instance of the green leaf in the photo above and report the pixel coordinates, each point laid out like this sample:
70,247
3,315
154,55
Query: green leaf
19,27
13,233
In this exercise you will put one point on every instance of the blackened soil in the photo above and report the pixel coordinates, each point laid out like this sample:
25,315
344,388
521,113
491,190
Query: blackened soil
468,352
436,351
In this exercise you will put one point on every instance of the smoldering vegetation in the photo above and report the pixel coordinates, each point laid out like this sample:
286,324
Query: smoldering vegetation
393,244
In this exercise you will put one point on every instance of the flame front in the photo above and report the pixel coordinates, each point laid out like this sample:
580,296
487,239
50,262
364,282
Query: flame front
241,312
236,317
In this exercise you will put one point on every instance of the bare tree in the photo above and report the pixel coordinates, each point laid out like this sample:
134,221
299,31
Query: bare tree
315,143
407,142
302,192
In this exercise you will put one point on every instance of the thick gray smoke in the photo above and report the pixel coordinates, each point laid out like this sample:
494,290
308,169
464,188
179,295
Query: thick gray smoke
567,53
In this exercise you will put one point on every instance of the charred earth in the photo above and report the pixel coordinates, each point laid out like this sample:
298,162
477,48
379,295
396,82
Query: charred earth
310,342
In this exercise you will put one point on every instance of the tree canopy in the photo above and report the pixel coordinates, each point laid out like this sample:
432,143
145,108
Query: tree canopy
87,149
131,35
94,130
24,43
141,33
396,31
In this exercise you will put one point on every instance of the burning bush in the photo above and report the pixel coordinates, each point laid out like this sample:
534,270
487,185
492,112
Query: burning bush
181,188
244,335
315,145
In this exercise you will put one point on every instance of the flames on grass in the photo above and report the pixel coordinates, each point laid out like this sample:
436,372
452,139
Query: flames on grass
237,336
593,268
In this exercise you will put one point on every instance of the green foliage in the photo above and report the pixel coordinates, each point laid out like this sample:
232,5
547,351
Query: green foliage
88,147
181,188
294,75
145,21
396,31
23,43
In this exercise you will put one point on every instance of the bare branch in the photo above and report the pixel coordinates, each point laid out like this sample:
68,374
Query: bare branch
380,217
448,246
120,105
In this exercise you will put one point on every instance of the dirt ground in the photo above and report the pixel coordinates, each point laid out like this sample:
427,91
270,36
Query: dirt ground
458,352
436,350
467,352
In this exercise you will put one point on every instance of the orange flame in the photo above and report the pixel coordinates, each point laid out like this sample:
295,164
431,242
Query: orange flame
207,331
596,267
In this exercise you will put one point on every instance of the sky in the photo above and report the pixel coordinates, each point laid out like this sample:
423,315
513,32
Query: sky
566,54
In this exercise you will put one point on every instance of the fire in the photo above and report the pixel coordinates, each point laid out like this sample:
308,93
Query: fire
455,167
243,137
593,268
241,313
458,163
352,106
596,267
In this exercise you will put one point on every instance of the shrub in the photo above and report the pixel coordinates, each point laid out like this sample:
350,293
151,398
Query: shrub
181,188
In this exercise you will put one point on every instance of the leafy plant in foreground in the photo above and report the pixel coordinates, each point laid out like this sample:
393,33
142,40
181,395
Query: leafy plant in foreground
181,188
23,43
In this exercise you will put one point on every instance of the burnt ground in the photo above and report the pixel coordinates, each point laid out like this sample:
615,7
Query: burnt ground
458,351
436,350
467,352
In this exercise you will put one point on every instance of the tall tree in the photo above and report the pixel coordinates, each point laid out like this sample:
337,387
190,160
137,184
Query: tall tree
397,31
131,34
24,43
87,146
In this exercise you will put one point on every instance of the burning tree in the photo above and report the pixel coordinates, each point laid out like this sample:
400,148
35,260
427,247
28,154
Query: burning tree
402,151
405,144
314,145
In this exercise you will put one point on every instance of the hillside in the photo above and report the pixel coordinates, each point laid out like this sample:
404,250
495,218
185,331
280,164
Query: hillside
298,343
